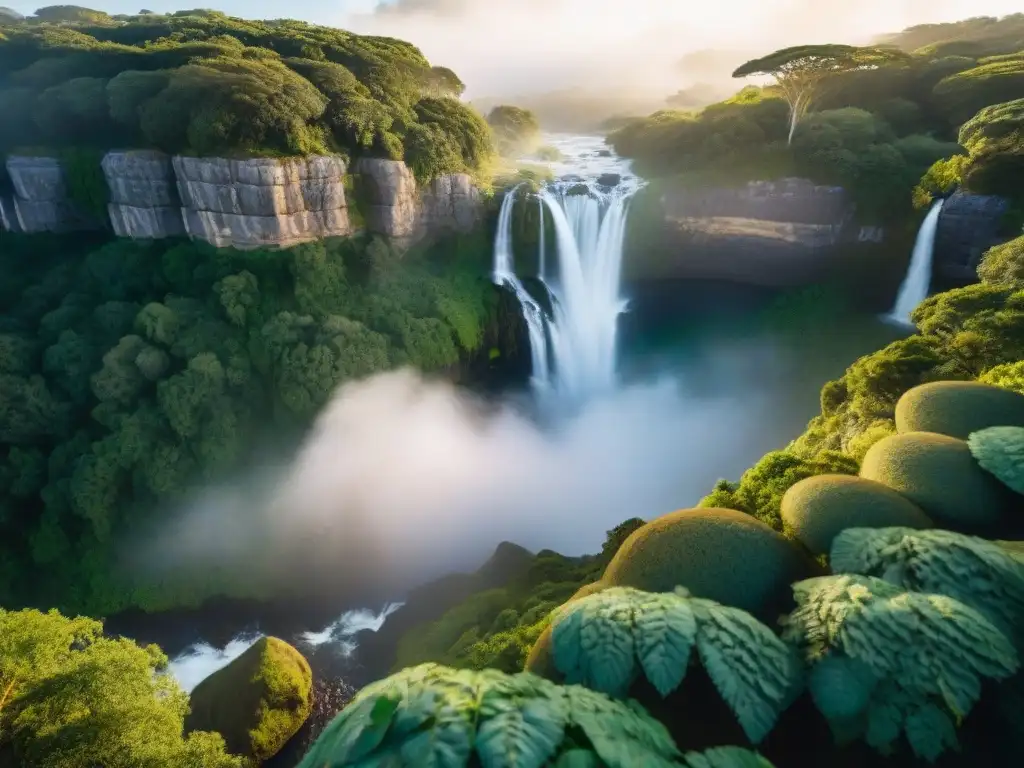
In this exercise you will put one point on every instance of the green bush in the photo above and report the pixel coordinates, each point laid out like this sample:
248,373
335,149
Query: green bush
940,476
719,554
818,509
516,130
1003,265
1009,376
606,641
257,702
887,663
957,408
70,696
432,715
1000,451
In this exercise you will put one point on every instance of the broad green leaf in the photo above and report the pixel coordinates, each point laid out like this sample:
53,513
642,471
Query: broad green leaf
523,737
726,757
577,758
930,732
664,633
841,687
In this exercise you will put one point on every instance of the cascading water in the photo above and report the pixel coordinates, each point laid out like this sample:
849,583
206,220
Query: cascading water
915,285
589,222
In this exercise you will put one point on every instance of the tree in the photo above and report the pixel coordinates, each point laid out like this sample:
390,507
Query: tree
515,129
802,71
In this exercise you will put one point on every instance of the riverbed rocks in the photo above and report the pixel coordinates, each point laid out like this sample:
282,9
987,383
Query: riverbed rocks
257,702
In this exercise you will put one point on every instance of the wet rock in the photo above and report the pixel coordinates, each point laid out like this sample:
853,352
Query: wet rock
329,698
609,179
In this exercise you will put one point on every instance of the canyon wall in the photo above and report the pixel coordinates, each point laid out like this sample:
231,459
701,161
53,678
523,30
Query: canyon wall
968,226
244,203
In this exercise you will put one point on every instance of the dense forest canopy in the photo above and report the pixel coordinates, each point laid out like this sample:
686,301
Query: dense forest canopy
878,125
204,83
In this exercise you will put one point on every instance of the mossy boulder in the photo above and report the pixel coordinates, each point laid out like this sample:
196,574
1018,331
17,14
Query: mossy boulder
938,474
257,702
720,554
958,408
818,509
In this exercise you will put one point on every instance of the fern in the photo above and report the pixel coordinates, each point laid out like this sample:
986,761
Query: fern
605,640
976,572
1000,451
886,662
438,717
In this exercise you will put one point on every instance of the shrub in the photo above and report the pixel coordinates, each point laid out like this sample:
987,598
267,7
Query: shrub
719,554
817,509
958,408
977,572
258,701
886,662
1008,376
606,640
1000,451
937,473
1003,265
432,715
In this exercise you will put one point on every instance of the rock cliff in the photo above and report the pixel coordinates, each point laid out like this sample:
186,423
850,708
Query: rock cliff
968,226
245,203
144,200
40,201
773,233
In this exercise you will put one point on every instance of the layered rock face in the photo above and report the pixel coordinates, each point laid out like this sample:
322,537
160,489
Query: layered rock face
765,233
397,208
40,202
144,199
968,226
262,201
245,203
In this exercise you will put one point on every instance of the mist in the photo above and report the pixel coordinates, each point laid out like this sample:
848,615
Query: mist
507,48
404,478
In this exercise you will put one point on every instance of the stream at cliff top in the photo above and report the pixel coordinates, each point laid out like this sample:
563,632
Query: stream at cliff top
405,478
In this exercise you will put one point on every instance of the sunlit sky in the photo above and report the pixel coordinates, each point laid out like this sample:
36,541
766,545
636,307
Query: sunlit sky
506,47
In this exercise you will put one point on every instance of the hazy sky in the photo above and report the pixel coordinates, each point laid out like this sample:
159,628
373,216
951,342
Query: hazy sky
505,47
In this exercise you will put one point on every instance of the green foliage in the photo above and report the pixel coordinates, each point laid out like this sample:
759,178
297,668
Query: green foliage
958,408
886,662
1009,376
977,572
212,84
1000,451
72,698
605,640
994,80
940,476
818,509
719,554
257,702
725,757
1003,265
994,140
516,130
763,486
133,371
432,715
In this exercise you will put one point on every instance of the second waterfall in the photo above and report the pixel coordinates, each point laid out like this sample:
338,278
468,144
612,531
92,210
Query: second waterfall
573,344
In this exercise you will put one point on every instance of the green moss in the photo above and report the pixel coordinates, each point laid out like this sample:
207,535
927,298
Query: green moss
720,554
818,509
86,185
937,473
958,408
257,702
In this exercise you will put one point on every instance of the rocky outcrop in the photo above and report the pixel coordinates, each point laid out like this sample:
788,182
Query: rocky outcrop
8,214
394,206
40,202
144,201
772,233
968,226
263,201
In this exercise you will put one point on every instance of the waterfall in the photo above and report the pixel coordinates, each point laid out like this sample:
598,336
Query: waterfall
915,285
504,275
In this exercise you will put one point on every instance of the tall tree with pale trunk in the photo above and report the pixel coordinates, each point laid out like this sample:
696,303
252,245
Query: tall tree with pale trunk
802,72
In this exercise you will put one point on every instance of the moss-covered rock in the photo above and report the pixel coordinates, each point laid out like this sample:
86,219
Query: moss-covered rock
939,474
958,408
257,702
818,509
720,554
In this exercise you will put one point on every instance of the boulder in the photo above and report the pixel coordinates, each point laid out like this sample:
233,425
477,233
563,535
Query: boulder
609,179
958,408
719,554
257,702
819,508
